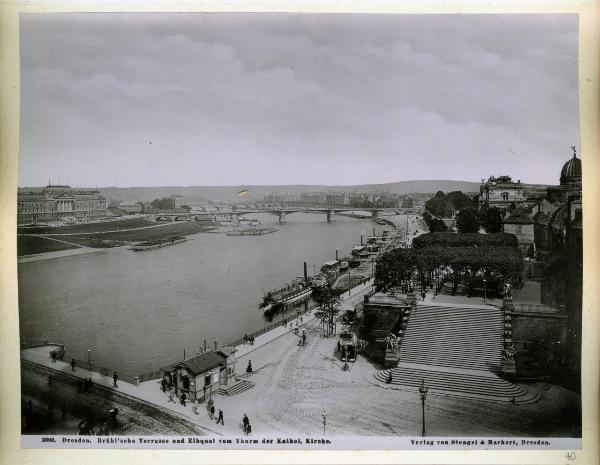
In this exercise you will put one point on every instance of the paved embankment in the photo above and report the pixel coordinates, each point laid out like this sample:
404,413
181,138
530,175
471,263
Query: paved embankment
64,392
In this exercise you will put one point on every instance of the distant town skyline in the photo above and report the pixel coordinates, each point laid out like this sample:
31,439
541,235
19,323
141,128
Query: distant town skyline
119,100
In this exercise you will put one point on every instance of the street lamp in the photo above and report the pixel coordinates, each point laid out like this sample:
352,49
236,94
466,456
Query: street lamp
349,285
89,360
324,415
484,289
423,390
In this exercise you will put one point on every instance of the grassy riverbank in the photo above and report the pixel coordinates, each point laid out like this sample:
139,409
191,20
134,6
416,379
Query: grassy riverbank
29,245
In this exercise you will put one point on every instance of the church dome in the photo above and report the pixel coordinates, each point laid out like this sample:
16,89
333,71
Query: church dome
571,171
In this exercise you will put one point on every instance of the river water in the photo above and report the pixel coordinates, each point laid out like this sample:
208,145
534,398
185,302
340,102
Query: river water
138,311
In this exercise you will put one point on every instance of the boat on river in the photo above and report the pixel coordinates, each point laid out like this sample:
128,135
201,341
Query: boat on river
251,231
293,292
158,243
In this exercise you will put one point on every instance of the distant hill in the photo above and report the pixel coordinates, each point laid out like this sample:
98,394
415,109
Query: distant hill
229,193
256,193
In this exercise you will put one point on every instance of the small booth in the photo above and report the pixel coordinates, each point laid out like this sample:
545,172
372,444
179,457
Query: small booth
201,376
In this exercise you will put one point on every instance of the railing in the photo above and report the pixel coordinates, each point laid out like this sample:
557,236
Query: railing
151,376
534,308
268,328
90,366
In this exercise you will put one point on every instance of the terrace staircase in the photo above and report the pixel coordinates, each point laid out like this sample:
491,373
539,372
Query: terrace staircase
456,350
237,387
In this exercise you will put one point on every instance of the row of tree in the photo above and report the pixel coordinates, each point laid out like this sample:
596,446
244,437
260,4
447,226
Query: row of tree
496,264
469,220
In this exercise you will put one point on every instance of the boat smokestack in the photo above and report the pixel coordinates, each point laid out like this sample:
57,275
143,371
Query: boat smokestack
305,273
216,342
336,254
373,230
361,240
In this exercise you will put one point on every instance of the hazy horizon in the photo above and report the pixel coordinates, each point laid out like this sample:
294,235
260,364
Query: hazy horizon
148,100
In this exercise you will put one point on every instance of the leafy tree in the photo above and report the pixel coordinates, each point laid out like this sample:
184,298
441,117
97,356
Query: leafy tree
492,221
460,201
165,203
437,225
465,240
467,220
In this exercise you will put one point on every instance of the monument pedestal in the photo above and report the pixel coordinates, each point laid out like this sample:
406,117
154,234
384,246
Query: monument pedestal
392,357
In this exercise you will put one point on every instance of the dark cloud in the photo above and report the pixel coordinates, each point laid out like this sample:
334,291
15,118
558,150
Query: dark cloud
265,98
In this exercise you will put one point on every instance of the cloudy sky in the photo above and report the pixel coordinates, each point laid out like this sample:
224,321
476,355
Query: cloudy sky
225,99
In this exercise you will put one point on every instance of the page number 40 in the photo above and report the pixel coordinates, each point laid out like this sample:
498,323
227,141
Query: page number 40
570,456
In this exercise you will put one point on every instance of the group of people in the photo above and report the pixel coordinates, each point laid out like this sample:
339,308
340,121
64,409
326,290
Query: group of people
248,339
84,385
302,340
246,426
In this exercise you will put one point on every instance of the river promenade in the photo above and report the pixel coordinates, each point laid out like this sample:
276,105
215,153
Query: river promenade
293,385
150,391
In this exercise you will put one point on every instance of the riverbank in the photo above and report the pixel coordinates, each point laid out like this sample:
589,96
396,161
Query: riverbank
32,244
293,384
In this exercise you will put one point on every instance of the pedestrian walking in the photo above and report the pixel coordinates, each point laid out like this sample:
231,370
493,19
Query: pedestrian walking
171,396
220,419
53,356
249,428
245,422
115,379
72,364
423,294
249,367
163,385
182,399
212,412
195,407
245,339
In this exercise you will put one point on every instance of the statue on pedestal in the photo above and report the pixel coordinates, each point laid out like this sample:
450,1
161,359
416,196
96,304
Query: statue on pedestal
508,353
508,291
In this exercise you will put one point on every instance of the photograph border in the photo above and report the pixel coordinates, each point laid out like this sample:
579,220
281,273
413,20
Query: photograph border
589,105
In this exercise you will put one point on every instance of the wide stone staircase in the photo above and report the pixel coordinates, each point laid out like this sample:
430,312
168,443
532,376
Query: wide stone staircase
456,350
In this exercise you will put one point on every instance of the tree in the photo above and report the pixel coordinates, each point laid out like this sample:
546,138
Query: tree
467,220
330,307
492,221
465,240
459,200
165,203
437,225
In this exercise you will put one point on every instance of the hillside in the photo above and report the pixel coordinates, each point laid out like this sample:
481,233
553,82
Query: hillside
256,193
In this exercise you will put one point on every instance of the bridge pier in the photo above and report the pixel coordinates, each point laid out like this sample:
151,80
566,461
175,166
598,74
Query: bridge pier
375,214
330,215
282,218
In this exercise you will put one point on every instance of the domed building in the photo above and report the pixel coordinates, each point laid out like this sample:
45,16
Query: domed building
570,181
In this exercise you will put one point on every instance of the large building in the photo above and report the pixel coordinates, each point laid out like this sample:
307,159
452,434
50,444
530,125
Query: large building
60,203
500,192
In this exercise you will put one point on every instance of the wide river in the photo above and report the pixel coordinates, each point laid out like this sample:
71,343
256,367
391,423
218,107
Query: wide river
138,311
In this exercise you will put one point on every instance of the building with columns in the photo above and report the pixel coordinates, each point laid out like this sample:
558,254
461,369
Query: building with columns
60,203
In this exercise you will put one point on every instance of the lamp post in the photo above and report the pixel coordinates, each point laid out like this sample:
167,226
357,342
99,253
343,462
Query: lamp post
349,285
484,289
324,416
423,390
89,359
